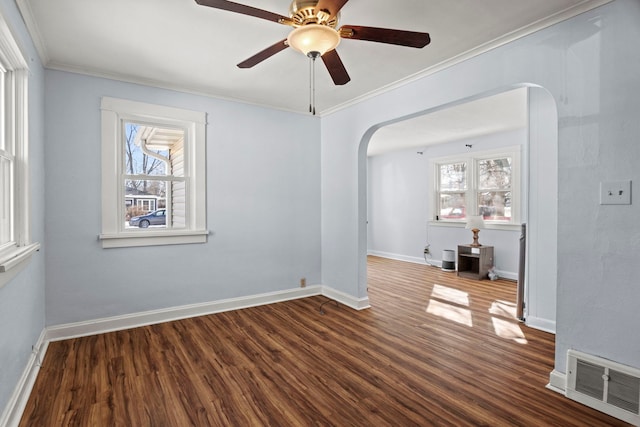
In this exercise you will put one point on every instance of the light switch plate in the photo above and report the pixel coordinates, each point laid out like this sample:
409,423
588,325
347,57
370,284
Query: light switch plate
615,192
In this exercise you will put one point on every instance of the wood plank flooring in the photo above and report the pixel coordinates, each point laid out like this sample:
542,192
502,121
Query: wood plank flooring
434,350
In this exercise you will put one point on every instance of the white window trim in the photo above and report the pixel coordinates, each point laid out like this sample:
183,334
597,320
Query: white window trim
471,159
16,255
114,113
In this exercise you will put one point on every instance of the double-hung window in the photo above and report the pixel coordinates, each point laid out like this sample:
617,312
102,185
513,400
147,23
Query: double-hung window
452,189
15,244
485,184
494,188
153,175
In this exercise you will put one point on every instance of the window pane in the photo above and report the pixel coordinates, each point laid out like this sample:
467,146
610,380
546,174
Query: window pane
495,205
3,113
453,177
145,202
494,173
452,206
149,150
6,184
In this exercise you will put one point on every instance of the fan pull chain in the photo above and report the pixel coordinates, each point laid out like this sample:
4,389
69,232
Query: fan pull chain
312,81
311,84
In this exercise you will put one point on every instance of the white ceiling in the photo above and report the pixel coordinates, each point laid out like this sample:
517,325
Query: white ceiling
485,116
180,45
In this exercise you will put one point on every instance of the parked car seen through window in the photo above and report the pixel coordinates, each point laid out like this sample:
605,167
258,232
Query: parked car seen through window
157,217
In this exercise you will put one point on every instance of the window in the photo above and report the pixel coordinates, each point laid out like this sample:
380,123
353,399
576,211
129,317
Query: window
494,188
15,244
452,184
153,175
485,184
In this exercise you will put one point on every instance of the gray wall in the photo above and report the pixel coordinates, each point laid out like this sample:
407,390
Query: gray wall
590,65
263,207
22,298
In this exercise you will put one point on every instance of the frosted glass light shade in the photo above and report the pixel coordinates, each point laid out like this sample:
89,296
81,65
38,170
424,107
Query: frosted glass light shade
313,38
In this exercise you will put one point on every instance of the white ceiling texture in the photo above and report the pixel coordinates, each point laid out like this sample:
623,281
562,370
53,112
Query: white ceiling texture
485,116
178,44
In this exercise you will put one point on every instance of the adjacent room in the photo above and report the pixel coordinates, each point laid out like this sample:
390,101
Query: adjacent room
291,213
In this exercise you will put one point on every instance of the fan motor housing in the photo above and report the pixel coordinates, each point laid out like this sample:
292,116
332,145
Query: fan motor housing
302,12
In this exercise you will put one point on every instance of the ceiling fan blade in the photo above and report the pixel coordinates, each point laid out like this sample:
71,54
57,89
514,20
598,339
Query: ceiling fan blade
245,10
385,35
330,6
264,54
336,68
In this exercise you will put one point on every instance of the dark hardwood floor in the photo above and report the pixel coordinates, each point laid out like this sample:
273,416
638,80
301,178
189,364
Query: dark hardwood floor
432,350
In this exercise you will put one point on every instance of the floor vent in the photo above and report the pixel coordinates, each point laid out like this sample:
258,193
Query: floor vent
604,385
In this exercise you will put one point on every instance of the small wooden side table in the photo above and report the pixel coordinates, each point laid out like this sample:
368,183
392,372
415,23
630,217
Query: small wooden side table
474,262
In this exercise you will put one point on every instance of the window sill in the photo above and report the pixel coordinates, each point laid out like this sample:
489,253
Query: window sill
152,238
487,226
16,255
13,260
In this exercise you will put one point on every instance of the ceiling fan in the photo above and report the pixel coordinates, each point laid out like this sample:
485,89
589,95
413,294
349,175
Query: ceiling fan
315,32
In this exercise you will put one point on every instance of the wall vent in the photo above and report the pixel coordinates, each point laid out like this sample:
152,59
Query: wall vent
604,385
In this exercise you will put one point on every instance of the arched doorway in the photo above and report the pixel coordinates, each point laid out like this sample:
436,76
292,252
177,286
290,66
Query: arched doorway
539,192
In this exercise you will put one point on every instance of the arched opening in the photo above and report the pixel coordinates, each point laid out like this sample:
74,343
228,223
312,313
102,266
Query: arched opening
538,205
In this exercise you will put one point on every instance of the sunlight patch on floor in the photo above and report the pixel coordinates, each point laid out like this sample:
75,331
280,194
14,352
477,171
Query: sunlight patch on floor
451,304
450,294
503,308
450,312
509,330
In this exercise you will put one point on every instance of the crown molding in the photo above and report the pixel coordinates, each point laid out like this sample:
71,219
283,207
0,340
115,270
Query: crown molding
563,15
534,27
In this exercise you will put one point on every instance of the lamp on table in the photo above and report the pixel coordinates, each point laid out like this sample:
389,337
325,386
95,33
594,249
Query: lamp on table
475,223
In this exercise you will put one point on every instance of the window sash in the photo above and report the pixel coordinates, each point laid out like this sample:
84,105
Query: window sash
4,108
167,176
6,199
450,183
7,160
11,136
505,210
154,178
488,201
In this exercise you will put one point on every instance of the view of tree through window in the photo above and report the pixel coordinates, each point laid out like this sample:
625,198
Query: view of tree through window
494,188
154,184
453,186
481,185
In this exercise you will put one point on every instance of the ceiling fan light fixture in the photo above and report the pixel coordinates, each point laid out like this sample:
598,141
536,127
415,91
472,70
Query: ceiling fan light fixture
312,38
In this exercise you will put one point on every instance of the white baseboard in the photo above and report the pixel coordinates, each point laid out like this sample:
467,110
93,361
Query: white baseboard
134,320
398,257
416,260
507,275
557,381
18,400
545,325
348,300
